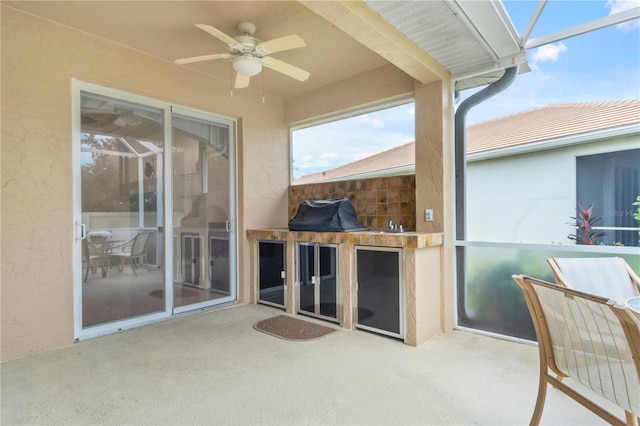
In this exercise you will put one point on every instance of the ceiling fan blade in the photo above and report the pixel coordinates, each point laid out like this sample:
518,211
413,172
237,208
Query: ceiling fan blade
292,41
286,69
242,81
217,33
203,58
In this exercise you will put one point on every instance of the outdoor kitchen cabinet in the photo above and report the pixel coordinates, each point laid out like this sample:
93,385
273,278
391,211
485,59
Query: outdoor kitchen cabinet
272,273
191,261
318,283
379,290
204,260
218,260
396,290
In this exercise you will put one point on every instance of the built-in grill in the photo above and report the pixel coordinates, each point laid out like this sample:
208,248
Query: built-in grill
336,215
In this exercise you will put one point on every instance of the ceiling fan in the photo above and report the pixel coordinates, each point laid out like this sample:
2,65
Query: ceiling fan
249,54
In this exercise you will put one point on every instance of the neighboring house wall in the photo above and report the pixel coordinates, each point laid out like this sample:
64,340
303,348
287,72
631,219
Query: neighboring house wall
529,198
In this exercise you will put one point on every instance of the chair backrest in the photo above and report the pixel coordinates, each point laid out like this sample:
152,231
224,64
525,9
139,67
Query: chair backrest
86,252
99,236
140,243
91,246
609,277
587,338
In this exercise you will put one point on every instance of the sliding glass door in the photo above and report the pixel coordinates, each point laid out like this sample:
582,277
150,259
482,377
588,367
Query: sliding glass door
121,188
134,264
202,210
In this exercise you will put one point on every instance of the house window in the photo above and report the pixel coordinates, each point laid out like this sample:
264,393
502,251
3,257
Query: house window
611,183
319,151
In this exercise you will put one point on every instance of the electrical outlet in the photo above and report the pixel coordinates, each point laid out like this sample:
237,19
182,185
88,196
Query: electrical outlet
428,215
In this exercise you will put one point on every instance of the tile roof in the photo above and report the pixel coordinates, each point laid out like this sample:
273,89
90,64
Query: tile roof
535,125
550,122
403,155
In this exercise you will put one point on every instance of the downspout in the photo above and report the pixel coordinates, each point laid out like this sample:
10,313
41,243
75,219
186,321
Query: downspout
460,129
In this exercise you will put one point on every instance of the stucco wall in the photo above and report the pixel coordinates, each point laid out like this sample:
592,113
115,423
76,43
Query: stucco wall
39,60
372,87
528,198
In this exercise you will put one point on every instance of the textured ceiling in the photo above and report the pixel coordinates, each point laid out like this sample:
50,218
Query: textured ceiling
468,38
166,30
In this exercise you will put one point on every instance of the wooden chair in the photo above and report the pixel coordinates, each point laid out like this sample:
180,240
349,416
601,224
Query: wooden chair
93,253
134,251
92,258
589,339
609,277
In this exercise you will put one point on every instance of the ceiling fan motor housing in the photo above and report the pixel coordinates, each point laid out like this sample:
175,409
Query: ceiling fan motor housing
247,28
246,44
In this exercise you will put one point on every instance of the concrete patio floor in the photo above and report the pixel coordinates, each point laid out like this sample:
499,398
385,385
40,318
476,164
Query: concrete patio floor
214,368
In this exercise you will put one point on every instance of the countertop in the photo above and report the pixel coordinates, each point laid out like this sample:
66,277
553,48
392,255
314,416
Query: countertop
365,238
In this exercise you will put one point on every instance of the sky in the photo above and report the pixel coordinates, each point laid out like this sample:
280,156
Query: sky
603,65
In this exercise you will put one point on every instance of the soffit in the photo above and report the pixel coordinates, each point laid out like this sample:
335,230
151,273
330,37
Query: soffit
474,40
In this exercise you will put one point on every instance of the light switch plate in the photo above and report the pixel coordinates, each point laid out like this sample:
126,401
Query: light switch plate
428,215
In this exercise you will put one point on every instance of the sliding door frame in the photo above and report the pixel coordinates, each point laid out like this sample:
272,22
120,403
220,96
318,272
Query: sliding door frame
77,87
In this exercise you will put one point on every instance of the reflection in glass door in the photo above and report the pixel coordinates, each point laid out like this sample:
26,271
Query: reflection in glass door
202,210
121,190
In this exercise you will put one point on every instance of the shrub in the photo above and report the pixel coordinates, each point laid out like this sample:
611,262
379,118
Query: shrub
584,224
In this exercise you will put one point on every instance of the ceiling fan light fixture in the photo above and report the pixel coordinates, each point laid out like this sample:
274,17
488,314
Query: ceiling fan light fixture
247,65
249,54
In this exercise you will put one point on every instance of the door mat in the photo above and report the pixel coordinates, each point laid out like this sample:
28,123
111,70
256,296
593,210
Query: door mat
178,292
289,328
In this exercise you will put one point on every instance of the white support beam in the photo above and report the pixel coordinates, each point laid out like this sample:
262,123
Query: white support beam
615,19
532,21
364,25
491,21
109,152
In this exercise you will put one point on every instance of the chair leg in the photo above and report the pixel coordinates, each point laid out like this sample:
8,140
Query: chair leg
631,419
542,394
133,267
86,274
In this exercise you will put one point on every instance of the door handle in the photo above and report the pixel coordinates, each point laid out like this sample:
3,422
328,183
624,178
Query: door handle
227,225
83,231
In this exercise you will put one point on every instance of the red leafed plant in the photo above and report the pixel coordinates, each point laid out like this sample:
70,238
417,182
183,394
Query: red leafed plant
584,224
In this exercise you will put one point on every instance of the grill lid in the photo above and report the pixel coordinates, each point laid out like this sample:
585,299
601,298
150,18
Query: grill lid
336,215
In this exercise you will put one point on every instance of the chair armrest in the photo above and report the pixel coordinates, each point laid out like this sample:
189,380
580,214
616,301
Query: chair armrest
122,247
634,277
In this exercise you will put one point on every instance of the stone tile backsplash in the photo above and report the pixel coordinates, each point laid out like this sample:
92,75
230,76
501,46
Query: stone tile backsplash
377,200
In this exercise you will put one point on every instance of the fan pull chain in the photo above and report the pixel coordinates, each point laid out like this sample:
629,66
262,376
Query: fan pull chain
263,99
